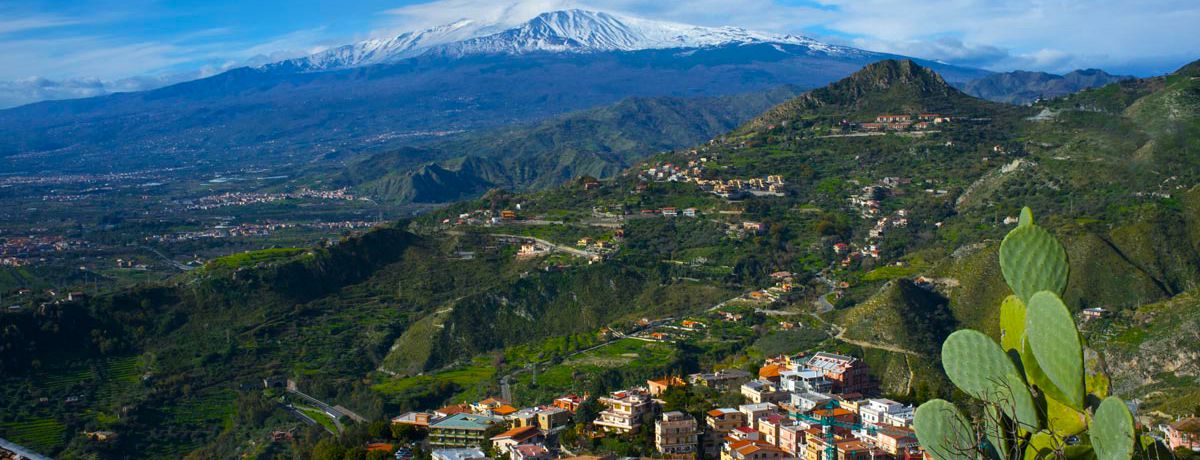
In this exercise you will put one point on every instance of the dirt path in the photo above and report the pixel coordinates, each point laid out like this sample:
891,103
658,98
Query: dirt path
841,335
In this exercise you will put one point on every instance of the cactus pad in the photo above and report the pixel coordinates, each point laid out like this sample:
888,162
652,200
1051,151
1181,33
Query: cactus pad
1026,218
943,430
977,365
1012,324
996,432
1032,260
1112,430
1052,337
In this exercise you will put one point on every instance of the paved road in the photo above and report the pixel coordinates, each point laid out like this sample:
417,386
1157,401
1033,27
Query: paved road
558,247
333,412
302,416
823,303
21,451
168,259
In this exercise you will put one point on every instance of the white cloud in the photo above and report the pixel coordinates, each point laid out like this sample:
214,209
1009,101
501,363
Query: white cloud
766,15
1036,34
28,90
22,24
1129,36
1028,34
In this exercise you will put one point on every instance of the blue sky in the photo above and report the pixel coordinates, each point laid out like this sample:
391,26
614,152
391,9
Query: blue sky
90,46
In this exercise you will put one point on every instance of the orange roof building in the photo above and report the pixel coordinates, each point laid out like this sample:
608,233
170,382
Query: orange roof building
507,440
504,410
770,372
748,449
453,409
658,386
380,447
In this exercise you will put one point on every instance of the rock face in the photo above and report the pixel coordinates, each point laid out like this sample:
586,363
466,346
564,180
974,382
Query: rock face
1155,352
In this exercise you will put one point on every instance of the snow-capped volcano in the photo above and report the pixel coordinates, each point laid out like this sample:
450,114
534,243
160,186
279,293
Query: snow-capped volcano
573,31
584,31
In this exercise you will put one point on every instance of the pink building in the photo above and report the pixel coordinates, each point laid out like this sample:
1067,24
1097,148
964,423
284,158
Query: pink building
1184,434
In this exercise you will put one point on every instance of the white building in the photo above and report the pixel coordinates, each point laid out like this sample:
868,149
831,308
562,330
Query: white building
808,400
804,380
754,412
886,412
469,453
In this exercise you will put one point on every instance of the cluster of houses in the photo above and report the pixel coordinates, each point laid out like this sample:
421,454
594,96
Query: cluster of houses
670,212
784,283
897,122
786,410
24,246
730,189
248,198
868,205
11,262
599,245
457,431
43,308
223,231
795,407
484,217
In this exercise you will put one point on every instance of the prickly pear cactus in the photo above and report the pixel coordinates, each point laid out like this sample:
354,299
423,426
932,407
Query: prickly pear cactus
1039,398
1012,324
1112,430
977,365
943,431
995,433
1032,260
1054,340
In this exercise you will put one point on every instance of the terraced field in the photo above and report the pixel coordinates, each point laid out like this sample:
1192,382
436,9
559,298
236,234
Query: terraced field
42,435
54,382
119,375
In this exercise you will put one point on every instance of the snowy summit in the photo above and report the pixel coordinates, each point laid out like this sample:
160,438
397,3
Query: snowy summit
566,31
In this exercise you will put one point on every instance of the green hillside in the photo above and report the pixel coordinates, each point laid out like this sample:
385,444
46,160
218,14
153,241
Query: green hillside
596,142
442,308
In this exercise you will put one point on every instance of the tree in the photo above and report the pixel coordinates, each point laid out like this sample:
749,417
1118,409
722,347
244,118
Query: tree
378,429
488,434
328,449
588,410
407,433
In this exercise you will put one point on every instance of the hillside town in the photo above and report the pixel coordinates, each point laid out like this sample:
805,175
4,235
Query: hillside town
249,198
729,189
812,406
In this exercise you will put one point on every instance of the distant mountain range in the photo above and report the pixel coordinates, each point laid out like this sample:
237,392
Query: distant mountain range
379,96
1022,87
599,142
567,31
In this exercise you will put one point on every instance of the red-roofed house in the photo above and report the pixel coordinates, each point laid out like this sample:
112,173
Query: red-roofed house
568,402
896,441
658,386
530,452
770,372
505,441
452,409
751,450
1184,434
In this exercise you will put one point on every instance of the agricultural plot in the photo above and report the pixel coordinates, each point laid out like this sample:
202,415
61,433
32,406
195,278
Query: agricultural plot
42,435
632,358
